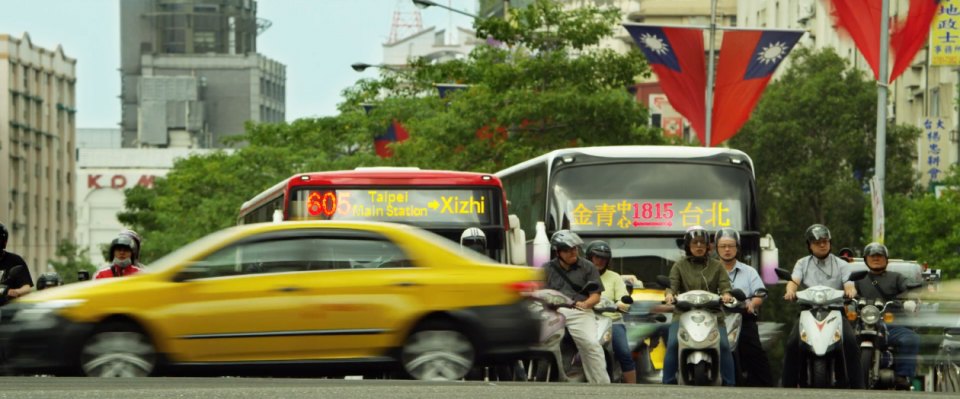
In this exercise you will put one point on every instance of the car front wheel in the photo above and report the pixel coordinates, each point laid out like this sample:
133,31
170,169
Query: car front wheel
118,351
437,352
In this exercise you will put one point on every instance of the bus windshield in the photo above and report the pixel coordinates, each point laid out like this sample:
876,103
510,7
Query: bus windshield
644,258
425,207
651,197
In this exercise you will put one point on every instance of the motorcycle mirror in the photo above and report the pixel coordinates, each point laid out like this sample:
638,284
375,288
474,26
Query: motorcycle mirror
737,293
783,274
664,281
760,293
858,275
660,318
627,299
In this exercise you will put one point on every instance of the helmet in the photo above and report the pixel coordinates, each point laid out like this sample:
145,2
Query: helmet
474,239
727,232
694,232
48,279
4,235
875,248
599,249
564,239
817,232
122,241
136,239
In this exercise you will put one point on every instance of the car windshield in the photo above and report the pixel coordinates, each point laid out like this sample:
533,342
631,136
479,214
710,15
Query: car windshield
189,251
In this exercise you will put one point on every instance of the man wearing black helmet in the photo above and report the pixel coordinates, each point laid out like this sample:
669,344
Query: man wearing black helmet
121,253
15,273
821,268
745,278
569,274
889,287
600,254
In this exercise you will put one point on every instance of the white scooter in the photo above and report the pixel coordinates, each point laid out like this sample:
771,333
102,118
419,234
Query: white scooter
733,320
822,364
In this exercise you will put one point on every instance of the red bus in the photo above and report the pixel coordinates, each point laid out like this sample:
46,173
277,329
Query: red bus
443,202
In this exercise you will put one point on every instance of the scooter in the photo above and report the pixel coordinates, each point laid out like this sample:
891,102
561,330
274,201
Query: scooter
733,320
821,334
556,357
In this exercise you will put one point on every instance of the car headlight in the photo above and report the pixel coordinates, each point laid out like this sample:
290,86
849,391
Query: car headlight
870,314
42,310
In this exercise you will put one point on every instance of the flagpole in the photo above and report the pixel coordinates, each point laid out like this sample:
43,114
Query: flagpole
881,151
711,59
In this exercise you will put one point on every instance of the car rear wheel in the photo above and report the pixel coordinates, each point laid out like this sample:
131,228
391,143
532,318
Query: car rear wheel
118,350
437,351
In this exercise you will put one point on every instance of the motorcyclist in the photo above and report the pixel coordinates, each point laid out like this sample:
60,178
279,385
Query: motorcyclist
697,271
139,247
47,280
890,286
18,281
821,268
745,278
473,238
121,250
569,274
600,254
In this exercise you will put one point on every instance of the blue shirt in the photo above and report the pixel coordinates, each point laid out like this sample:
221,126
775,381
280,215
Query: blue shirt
745,278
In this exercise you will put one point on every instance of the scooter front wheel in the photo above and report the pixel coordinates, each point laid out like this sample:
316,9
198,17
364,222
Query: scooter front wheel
701,374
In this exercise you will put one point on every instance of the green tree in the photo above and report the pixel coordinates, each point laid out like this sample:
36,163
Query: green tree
70,260
812,139
919,226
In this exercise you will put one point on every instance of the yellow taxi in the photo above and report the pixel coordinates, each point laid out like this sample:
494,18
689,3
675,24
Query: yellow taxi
316,293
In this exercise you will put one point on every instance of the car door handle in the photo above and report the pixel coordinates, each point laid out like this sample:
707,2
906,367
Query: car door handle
290,289
405,284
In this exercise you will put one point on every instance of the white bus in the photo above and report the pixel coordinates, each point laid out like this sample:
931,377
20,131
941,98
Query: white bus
640,199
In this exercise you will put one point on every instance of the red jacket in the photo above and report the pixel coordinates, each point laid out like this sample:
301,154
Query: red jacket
107,272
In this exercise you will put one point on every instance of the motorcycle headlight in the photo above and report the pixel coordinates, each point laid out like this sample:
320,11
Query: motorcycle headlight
682,334
820,297
870,314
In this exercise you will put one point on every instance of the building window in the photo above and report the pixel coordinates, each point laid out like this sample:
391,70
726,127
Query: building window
205,42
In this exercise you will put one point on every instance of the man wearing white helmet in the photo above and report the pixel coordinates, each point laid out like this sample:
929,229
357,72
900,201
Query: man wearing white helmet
474,239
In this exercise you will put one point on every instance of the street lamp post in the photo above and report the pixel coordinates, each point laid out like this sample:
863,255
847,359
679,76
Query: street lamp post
421,4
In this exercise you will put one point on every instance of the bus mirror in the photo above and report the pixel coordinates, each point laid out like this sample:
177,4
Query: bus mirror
516,242
769,259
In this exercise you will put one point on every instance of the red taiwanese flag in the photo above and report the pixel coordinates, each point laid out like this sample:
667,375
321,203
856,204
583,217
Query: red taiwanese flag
676,56
395,133
910,35
861,20
747,61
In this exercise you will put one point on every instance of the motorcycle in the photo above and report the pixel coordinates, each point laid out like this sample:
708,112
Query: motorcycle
733,320
556,357
876,358
821,333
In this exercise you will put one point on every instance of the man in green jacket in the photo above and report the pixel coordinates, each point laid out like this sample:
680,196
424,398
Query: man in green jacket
697,271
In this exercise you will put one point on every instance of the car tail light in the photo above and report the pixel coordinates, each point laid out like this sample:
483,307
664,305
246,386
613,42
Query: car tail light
522,287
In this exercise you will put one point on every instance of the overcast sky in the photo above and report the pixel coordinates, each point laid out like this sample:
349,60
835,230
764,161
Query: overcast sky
316,39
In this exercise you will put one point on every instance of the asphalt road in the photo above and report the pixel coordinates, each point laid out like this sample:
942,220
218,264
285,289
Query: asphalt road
213,388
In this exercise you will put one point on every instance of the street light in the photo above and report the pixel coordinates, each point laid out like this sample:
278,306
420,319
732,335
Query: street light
421,4
362,66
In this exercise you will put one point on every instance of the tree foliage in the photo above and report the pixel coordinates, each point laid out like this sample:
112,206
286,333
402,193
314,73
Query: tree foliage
540,85
812,139
70,260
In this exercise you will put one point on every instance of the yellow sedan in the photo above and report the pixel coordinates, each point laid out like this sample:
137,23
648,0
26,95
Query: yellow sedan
329,295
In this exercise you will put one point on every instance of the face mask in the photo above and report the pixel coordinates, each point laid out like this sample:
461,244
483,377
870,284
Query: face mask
122,263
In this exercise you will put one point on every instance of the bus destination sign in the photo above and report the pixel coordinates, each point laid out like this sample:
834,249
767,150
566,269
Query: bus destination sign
399,205
653,214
